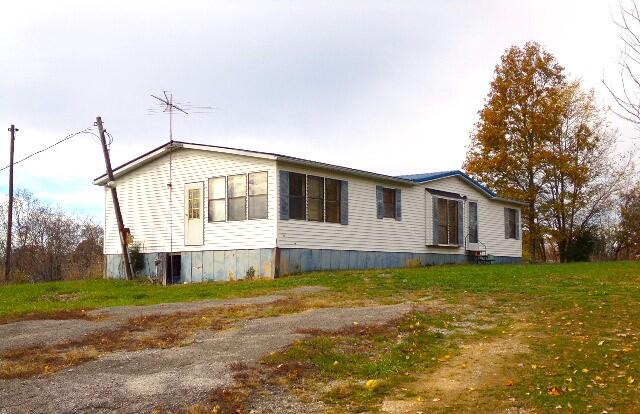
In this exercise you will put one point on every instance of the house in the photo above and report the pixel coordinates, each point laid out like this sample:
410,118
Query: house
202,212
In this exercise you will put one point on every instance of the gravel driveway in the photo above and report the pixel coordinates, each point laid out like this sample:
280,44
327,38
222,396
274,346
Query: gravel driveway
134,382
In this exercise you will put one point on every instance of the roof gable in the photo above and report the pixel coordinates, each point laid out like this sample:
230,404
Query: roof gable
426,177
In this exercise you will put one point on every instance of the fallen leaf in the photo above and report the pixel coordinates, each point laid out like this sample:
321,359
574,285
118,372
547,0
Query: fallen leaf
372,384
553,391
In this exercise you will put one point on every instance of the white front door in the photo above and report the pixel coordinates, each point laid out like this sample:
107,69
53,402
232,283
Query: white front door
193,214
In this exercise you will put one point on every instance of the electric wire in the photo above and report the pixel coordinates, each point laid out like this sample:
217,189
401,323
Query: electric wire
84,131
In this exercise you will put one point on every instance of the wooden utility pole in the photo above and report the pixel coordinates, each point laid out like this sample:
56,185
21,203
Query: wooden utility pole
7,261
114,197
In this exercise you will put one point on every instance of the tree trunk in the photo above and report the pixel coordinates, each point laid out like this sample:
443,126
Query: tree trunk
532,233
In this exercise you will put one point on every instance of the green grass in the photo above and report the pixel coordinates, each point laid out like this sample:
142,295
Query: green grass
563,281
583,321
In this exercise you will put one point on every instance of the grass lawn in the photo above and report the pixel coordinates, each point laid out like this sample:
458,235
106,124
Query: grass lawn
571,332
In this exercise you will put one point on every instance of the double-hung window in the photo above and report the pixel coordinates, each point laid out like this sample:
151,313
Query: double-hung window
237,197
297,196
258,195
447,221
315,198
473,222
511,223
333,193
217,199
389,202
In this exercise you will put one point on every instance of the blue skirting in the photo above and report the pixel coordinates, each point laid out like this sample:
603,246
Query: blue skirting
224,265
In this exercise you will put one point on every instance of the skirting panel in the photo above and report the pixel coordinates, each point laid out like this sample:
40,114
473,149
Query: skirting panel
293,261
201,266
224,265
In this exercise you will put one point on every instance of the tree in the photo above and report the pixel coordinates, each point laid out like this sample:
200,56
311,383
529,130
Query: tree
580,177
627,93
541,138
628,232
520,117
50,244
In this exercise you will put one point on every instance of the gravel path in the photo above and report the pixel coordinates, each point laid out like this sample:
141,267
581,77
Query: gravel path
50,331
134,382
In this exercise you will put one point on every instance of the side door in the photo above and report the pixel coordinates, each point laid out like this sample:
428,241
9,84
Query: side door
193,214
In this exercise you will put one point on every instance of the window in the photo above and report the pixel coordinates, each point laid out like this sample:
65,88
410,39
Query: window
297,196
237,197
389,202
258,195
332,202
315,198
447,221
473,222
452,218
511,223
217,199
194,203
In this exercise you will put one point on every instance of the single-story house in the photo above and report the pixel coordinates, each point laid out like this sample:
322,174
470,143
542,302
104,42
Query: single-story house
202,212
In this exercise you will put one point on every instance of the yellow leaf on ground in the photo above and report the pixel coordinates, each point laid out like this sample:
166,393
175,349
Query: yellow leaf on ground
372,384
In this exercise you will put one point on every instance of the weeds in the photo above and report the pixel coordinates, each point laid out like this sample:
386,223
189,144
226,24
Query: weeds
155,331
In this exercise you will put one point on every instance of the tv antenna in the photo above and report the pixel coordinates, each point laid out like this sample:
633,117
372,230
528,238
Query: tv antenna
167,105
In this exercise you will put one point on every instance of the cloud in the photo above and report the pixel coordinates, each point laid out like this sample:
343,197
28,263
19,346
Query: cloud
385,86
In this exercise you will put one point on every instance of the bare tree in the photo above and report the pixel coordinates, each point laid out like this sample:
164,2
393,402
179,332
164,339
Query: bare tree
627,91
51,244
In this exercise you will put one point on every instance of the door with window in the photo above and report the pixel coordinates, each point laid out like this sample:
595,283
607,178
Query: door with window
193,214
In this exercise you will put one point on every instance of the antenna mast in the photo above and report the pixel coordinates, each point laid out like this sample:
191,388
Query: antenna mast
168,106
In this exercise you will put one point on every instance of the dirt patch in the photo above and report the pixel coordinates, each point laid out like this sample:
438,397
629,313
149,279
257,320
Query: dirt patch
460,381
57,315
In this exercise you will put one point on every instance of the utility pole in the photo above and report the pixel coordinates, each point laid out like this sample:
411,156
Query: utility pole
114,197
7,262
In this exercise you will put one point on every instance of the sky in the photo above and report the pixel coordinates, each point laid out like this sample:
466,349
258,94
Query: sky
386,86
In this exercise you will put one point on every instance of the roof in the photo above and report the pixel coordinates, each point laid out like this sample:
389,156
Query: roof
426,177
172,145
411,179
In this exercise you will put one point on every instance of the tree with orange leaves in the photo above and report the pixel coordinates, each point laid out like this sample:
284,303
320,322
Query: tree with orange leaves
542,139
519,119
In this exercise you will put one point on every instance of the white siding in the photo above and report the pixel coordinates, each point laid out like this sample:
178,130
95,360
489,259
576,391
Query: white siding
364,231
490,217
159,225
412,234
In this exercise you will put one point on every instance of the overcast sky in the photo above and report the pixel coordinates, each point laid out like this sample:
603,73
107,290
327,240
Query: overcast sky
392,87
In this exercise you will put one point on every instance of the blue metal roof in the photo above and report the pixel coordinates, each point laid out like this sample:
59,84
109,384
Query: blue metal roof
426,177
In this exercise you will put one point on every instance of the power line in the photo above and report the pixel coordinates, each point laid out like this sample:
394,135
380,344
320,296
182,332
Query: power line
84,131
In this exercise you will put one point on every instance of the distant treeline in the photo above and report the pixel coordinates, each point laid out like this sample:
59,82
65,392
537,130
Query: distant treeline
49,243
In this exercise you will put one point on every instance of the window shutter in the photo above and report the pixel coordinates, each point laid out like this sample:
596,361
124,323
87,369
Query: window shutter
436,220
398,205
517,224
284,195
379,202
460,223
344,202
506,223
